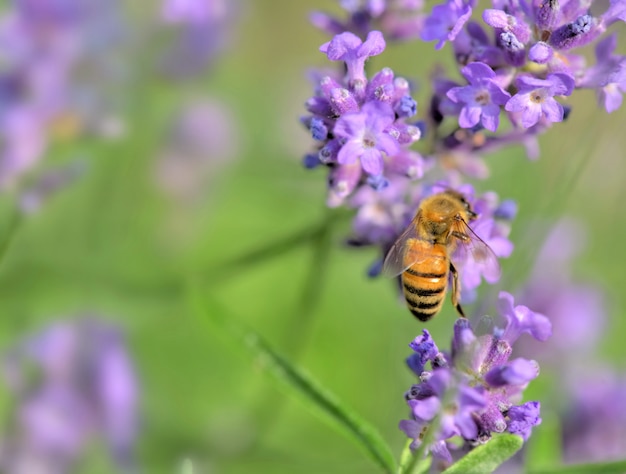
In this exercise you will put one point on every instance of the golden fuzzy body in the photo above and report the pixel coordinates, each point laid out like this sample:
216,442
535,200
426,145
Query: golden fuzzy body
422,254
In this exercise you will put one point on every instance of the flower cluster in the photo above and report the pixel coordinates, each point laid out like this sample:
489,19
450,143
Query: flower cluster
70,383
513,82
361,125
475,388
521,69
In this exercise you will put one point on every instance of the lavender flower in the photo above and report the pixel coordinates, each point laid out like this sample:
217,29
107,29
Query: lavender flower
360,123
482,98
475,388
85,386
365,135
535,99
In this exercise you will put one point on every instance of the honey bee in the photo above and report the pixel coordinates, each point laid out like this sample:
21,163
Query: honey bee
423,255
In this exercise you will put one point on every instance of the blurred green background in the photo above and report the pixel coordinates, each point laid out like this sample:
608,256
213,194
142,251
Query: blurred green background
114,243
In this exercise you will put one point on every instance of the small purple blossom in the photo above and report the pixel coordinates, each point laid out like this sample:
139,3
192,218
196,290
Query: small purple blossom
366,137
445,21
349,48
482,98
535,98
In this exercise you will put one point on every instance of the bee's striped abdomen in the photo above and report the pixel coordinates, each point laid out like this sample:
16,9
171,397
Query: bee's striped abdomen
424,283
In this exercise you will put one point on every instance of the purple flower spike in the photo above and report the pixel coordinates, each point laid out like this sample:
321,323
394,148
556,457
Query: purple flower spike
482,98
522,418
349,48
446,21
535,98
365,136
521,319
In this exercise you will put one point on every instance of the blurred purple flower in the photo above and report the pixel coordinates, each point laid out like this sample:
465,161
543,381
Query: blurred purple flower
200,32
85,386
608,75
396,19
201,140
577,309
446,20
594,420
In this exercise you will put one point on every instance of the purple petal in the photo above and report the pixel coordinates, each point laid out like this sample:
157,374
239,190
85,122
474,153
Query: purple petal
469,116
522,418
426,350
476,71
605,47
388,144
373,45
349,152
372,161
610,97
552,110
516,372
521,319
440,451
531,115
341,46
349,126
561,83
518,102
496,18
425,409
491,117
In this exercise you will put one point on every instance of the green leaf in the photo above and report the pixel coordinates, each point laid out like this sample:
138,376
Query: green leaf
296,380
615,467
488,457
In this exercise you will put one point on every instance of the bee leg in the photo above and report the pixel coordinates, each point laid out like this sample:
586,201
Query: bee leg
456,289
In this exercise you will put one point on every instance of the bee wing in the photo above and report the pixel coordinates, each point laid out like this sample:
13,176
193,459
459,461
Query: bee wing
395,261
475,250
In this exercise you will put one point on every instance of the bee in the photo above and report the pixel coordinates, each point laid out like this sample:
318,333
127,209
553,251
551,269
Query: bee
423,255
